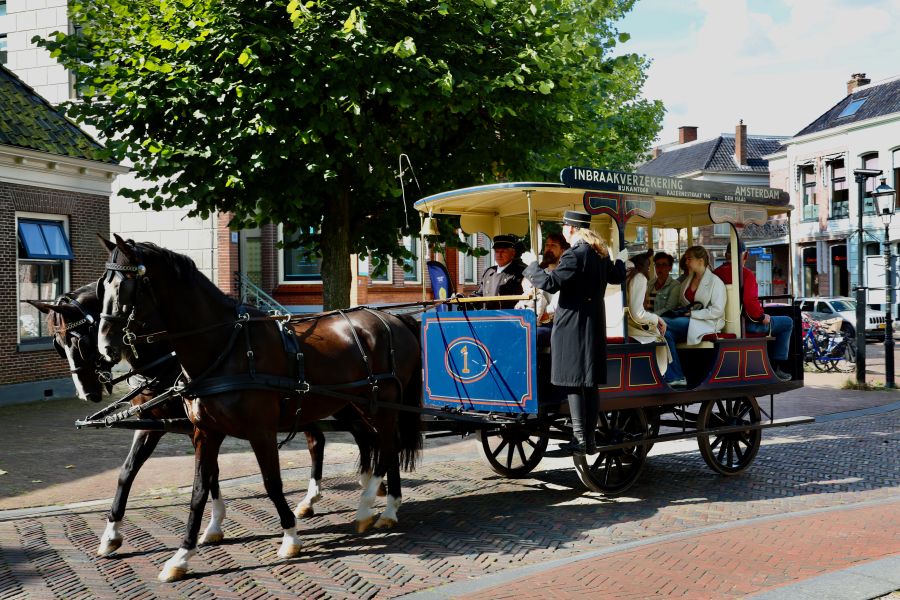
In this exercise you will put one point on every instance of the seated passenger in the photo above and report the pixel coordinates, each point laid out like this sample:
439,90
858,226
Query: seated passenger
757,320
647,327
663,293
555,245
505,277
705,294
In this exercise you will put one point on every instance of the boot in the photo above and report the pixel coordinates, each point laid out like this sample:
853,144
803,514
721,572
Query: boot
576,408
591,412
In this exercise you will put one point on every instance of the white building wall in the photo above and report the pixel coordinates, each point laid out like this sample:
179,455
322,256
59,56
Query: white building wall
881,135
170,228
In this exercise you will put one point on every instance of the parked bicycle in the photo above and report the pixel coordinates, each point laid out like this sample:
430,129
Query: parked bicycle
827,346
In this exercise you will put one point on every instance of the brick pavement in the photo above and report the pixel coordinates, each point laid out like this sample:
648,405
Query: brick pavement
728,564
459,523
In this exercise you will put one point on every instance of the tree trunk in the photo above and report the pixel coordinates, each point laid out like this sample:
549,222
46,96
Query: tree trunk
335,245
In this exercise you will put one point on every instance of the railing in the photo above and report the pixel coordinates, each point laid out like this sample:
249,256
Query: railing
251,294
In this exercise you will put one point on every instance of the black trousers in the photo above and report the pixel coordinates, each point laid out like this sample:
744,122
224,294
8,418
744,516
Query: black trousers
584,406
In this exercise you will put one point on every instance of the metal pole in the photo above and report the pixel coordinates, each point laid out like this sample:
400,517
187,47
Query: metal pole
860,289
888,321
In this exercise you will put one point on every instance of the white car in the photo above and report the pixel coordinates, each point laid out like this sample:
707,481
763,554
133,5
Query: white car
845,308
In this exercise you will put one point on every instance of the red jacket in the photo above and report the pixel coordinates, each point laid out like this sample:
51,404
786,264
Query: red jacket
752,307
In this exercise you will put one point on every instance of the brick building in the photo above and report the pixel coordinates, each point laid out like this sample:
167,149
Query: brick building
732,158
54,200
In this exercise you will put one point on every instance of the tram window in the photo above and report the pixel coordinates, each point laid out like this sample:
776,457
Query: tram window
823,307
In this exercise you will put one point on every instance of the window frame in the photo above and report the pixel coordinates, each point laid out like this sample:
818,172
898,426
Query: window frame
835,181
40,342
869,160
282,266
419,259
389,274
472,240
808,199
852,108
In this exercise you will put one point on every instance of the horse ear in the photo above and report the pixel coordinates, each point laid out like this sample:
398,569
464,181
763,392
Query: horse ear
125,249
41,306
109,245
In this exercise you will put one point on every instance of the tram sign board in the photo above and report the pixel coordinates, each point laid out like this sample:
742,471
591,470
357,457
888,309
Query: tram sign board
480,360
619,182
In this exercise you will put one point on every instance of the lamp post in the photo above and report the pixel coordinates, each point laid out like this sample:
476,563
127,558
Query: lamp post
861,175
884,197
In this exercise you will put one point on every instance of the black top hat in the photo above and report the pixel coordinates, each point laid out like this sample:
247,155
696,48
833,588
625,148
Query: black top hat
577,219
504,241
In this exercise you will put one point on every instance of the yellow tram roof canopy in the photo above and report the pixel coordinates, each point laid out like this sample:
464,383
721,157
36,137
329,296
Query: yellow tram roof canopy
669,202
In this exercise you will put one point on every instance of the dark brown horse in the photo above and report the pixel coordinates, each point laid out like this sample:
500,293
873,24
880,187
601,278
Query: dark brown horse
72,320
240,381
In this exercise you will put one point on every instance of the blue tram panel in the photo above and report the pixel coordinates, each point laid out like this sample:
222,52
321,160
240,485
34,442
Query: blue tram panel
480,360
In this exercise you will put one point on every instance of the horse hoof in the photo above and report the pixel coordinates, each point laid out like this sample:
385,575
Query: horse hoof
382,491
363,526
212,537
289,551
170,574
383,523
107,547
304,511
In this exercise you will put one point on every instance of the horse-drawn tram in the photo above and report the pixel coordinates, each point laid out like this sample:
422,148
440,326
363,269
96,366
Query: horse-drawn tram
232,370
485,370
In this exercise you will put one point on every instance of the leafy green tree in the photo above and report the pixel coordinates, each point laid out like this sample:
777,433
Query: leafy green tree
296,112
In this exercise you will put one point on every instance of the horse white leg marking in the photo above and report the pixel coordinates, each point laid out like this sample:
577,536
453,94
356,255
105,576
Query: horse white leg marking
365,514
214,532
389,517
313,495
290,544
177,566
111,539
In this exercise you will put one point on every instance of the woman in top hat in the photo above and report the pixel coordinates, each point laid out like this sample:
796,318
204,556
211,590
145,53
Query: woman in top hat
505,277
578,340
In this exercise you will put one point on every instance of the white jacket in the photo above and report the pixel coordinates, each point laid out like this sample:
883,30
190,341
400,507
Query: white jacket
649,333
710,318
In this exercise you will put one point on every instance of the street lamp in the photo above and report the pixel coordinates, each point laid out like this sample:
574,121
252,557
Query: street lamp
884,197
861,175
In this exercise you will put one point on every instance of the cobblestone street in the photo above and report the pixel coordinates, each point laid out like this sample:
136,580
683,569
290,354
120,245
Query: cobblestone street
461,523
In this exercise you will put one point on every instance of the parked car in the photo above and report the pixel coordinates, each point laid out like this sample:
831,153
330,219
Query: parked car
845,308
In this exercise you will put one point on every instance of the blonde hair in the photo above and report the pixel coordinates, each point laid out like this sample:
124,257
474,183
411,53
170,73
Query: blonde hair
595,241
698,252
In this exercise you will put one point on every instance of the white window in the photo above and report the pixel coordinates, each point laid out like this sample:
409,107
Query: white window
412,267
468,264
381,269
721,229
44,253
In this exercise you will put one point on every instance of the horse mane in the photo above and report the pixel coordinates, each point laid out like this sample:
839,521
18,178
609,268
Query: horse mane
184,269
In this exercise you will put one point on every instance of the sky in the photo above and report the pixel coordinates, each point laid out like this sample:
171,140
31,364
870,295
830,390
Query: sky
776,64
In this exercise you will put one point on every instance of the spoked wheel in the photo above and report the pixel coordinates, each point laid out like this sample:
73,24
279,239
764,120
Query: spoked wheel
847,362
513,450
612,472
729,453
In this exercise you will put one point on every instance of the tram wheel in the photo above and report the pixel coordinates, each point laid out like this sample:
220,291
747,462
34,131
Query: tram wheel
612,472
513,450
729,453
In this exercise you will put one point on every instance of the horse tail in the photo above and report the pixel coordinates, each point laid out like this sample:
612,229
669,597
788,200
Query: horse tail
410,421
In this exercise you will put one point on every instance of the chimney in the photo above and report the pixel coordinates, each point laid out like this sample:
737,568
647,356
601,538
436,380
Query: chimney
656,153
687,133
856,80
740,143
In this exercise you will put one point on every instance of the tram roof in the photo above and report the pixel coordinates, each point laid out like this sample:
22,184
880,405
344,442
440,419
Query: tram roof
678,202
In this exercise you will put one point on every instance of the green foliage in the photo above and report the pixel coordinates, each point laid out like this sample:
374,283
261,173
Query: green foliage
275,110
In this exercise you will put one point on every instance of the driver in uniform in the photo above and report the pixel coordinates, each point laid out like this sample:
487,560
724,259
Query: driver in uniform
505,277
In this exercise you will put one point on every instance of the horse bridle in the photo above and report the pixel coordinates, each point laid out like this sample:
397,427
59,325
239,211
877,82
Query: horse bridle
129,289
101,367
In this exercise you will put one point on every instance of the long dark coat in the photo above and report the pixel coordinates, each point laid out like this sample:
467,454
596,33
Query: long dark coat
502,283
578,341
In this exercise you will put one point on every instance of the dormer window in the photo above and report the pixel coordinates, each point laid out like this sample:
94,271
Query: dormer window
851,108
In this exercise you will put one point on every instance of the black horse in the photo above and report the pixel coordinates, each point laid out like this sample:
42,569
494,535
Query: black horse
240,381
72,320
